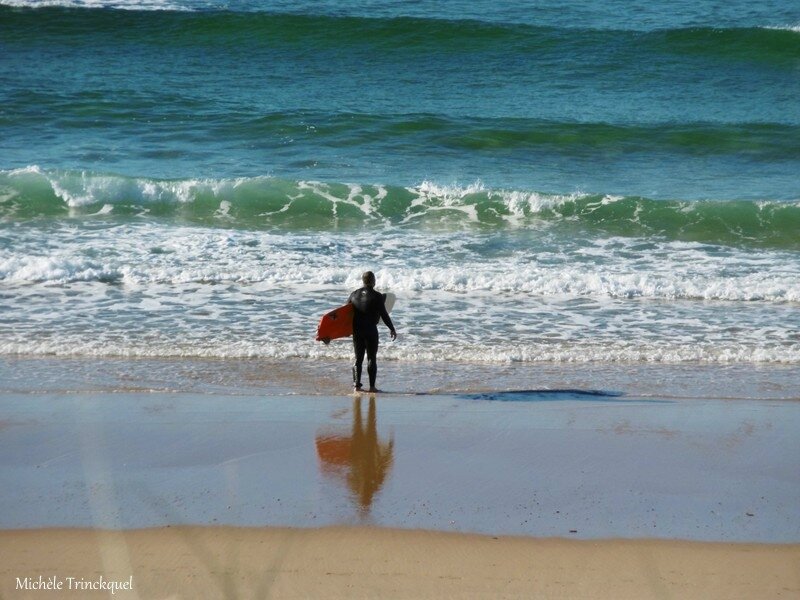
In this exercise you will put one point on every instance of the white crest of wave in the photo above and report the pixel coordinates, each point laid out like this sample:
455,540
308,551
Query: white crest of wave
83,188
114,4
79,189
793,28
518,204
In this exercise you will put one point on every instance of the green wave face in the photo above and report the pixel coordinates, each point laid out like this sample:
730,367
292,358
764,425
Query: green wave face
265,203
779,46
407,35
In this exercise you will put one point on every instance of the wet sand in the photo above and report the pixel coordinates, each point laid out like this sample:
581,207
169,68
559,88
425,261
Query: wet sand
587,491
558,463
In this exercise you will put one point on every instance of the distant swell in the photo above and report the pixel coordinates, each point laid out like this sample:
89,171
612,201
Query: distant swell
760,143
408,35
266,203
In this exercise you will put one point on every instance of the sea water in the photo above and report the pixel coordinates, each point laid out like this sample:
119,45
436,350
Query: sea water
577,181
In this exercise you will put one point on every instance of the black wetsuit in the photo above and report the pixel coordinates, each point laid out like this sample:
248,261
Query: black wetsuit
369,309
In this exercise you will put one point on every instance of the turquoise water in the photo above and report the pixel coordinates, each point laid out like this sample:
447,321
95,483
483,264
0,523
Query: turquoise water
599,182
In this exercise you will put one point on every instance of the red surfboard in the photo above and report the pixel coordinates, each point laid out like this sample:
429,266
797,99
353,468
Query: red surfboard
338,323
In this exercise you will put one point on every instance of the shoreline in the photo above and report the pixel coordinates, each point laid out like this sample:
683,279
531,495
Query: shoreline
347,562
324,377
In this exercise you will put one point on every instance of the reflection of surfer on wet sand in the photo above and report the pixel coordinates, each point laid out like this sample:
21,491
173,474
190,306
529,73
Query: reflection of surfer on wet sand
361,459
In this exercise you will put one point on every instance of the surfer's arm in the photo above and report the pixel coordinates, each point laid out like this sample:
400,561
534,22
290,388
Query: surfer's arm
388,321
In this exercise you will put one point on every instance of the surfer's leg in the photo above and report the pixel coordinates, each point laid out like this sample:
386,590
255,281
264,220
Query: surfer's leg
372,360
359,347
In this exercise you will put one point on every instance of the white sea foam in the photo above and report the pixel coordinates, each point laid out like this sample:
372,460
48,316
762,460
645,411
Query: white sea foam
462,353
356,197
530,281
140,255
54,269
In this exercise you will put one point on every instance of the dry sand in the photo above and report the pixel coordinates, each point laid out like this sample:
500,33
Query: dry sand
365,562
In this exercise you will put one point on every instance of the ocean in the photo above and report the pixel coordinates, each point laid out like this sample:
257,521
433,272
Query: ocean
538,182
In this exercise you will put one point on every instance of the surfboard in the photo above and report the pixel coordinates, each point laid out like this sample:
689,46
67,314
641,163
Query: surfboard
338,323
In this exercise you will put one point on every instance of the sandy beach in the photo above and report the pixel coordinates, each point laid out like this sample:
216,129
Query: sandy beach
574,492
365,562
586,212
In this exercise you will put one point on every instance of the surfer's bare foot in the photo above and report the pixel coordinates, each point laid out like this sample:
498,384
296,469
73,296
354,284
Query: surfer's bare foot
373,390
357,387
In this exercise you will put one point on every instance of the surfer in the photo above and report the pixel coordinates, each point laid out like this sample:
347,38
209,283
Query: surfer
368,309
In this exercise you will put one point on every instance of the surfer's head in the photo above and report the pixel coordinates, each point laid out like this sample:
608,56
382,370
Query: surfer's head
368,279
